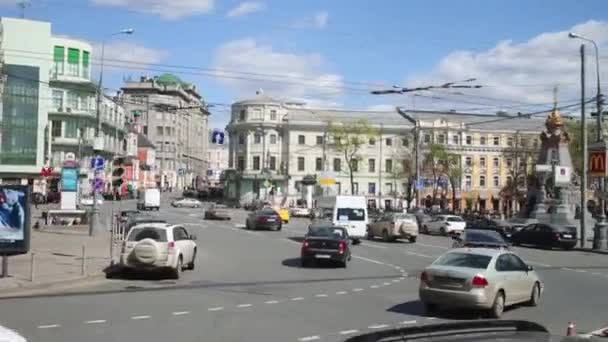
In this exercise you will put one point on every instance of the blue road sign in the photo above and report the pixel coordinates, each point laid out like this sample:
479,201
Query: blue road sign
217,137
97,163
419,184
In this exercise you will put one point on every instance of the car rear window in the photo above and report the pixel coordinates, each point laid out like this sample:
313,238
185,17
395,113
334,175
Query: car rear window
483,237
268,212
350,214
454,219
468,260
326,232
156,234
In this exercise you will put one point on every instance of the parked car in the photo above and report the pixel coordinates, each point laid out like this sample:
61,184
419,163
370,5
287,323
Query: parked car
301,212
546,235
139,219
518,223
264,219
479,238
216,212
502,227
444,225
159,246
325,242
479,278
393,226
186,202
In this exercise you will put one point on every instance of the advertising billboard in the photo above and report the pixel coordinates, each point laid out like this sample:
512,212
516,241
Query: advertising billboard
14,219
69,179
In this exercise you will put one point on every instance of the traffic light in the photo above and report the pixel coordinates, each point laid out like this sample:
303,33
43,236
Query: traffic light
117,173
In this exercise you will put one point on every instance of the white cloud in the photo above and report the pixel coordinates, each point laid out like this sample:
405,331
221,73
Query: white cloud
127,56
518,72
166,9
295,76
317,21
245,8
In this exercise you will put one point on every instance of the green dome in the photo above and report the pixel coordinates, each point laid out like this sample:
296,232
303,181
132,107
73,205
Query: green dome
169,79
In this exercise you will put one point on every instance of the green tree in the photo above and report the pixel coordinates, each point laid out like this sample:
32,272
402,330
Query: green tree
442,164
454,174
347,139
401,171
520,159
574,129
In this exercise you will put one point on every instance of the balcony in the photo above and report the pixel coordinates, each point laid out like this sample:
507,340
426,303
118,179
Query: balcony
84,113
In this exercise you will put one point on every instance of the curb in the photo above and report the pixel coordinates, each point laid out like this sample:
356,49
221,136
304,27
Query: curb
22,290
589,250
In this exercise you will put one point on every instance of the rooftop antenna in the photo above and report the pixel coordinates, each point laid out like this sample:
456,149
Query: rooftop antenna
22,4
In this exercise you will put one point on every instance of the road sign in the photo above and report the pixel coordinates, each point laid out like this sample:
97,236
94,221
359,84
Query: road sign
562,175
98,184
217,137
97,163
327,178
419,184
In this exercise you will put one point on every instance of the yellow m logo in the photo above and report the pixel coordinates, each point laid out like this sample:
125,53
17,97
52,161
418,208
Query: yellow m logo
597,162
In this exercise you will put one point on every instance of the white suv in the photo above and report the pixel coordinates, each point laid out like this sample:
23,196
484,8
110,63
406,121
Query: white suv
159,246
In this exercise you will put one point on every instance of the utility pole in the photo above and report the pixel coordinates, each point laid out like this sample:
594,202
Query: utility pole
325,166
380,169
22,4
583,184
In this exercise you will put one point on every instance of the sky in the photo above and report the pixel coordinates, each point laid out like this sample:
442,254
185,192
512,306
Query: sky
333,53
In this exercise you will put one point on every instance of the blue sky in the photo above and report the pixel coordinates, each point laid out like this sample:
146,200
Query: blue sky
333,52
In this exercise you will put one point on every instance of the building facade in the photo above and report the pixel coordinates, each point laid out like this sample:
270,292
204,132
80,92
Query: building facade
173,116
274,145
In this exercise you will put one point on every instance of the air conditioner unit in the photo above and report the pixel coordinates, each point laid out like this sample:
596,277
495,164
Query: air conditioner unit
68,109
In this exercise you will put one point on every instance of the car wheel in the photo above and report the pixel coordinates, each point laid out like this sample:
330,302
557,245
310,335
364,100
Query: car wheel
177,271
442,231
535,296
306,262
369,235
356,241
569,247
191,263
344,264
385,236
425,229
412,239
499,305
430,308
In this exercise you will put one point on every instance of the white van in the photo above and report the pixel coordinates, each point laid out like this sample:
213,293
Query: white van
349,212
148,199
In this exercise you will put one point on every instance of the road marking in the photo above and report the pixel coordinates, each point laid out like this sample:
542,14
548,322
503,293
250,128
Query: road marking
567,269
95,321
431,318
369,260
309,338
321,295
357,290
374,286
140,317
386,284
244,305
419,254
539,264
580,271
373,245
297,299
180,313
408,322
192,215
49,326
432,246
597,274
217,308
396,280
378,326
341,292
348,332
271,302
239,225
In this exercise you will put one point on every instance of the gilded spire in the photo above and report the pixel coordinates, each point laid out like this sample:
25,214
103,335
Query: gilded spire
554,120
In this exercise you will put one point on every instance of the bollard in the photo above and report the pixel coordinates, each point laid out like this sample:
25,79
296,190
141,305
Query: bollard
33,267
83,268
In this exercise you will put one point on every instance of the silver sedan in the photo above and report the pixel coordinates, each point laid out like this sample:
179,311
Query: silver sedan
186,202
479,278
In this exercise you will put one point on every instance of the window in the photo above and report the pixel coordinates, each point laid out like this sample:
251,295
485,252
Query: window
388,165
389,142
509,142
145,130
273,163
427,138
354,163
319,140
301,140
482,161
319,164
371,165
168,131
85,64
469,140
355,188
405,142
350,214
273,138
468,161
467,260
241,139
509,162
256,163
388,187
496,162
371,188
56,131
159,130
496,181
496,141
482,181
509,179
73,62
535,143
71,129
467,181
455,139
300,163
257,138
72,102
242,115
372,141
482,140
523,142
337,164
273,115
57,99
241,163
441,139
58,60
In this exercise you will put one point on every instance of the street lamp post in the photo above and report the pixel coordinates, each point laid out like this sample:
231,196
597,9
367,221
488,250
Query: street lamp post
599,236
98,142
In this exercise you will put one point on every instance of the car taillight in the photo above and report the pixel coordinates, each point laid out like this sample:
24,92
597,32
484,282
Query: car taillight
479,281
556,236
171,246
305,244
341,247
424,277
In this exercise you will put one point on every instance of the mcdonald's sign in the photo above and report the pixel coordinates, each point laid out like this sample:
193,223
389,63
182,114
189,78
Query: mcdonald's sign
597,163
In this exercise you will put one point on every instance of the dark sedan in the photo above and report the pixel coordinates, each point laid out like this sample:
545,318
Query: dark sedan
325,242
501,227
546,235
480,238
264,219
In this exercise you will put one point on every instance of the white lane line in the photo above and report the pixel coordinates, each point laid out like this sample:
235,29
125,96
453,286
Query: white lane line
407,322
239,225
140,317
580,271
567,269
341,292
374,286
271,302
348,332
217,308
432,246
597,274
373,245
295,299
192,215
321,295
49,326
309,338
378,326
431,318
95,321
396,280
539,264
386,284
419,254
368,260
180,313
244,305
357,290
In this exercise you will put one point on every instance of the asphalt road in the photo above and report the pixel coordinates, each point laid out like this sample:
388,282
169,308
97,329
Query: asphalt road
248,286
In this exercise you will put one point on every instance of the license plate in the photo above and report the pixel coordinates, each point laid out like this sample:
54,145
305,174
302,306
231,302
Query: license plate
270,220
322,256
567,236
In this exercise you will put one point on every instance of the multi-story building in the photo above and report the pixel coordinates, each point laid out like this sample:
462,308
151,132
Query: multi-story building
217,157
173,116
274,145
